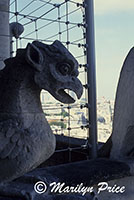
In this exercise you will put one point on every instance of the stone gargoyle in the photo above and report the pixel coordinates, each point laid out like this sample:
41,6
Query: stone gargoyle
26,139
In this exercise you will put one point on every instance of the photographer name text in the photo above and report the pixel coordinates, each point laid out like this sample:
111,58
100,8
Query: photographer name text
41,187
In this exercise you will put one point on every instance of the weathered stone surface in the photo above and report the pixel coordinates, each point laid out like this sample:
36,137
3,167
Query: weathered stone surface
87,172
54,197
123,124
26,139
127,182
16,29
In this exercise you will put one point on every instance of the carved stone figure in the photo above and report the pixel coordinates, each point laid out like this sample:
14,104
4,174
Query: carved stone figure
26,139
16,29
121,144
123,124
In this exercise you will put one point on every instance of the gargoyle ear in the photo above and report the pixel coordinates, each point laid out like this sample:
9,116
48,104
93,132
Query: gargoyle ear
34,57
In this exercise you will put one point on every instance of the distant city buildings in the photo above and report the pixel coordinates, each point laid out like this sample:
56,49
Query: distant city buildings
72,120
105,111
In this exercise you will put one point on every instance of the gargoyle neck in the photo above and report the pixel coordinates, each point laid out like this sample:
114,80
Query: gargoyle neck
29,100
19,94
21,100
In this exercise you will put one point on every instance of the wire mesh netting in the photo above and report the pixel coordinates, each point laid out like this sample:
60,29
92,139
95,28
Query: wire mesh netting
48,21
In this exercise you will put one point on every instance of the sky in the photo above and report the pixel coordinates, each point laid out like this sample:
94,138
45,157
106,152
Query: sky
114,37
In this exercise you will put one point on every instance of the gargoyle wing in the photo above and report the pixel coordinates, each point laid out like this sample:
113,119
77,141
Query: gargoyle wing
12,140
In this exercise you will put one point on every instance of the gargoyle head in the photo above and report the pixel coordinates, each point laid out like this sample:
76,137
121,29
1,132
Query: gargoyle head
55,69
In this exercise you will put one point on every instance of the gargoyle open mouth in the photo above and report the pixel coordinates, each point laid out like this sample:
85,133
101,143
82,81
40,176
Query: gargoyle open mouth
63,94
67,96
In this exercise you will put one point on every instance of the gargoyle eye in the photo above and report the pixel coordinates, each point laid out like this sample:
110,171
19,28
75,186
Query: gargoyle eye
64,68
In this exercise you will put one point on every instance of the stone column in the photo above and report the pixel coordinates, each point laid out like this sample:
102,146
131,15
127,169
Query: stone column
4,31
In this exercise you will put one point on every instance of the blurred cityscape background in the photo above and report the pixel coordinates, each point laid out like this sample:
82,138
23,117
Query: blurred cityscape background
58,117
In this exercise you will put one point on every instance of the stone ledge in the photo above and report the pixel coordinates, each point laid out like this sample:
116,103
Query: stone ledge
87,172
